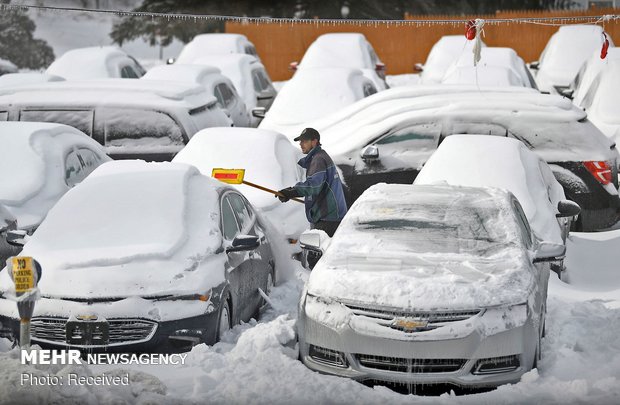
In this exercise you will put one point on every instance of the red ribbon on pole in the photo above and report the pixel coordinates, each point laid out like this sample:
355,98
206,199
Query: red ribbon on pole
470,33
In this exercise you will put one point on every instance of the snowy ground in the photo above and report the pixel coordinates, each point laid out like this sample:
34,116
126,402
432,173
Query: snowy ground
257,362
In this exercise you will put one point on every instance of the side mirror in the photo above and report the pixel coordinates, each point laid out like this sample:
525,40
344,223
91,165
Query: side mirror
243,243
535,65
264,95
293,66
549,252
568,208
17,237
170,61
418,67
568,93
370,153
310,240
259,112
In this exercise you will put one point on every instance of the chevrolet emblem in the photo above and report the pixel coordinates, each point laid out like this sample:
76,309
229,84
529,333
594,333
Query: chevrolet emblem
409,324
86,317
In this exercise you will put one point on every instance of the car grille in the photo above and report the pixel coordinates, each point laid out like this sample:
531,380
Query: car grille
121,331
410,365
430,319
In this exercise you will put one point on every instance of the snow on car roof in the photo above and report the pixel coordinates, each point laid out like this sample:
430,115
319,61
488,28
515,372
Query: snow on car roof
34,153
555,117
313,93
445,51
212,44
268,158
180,72
590,68
491,161
237,67
343,49
482,76
18,79
426,247
85,63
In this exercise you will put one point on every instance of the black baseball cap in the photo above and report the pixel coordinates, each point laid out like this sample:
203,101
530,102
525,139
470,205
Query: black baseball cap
308,134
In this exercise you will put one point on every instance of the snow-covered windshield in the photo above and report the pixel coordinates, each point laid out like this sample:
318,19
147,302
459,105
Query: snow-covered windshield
436,228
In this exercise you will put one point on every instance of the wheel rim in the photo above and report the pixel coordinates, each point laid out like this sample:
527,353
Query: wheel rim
224,321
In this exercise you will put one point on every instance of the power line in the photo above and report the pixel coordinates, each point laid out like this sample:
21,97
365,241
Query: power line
317,21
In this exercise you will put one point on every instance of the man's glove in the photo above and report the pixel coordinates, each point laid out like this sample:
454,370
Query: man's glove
286,194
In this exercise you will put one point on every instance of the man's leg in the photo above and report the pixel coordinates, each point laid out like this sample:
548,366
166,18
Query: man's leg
329,227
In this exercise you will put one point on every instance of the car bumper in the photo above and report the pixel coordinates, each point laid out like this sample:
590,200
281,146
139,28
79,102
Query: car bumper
413,359
127,328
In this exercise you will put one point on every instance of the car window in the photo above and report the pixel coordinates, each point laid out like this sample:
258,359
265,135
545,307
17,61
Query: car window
250,50
137,66
589,97
131,127
80,119
226,96
79,164
229,224
524,225
369,89
261,80
243,214
127,72
219,96
415,136
373,56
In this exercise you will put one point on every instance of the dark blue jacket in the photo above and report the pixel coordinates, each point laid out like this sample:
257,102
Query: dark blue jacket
323,191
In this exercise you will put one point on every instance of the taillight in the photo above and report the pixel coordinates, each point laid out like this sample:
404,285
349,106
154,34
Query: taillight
600,170
293,66
380,67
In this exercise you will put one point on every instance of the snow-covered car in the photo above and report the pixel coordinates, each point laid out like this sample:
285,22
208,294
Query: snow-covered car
249,77
19,79
145,257
133,119
8,222
497,67
216,44
269,160
493,161
218,85
96,62
564,54
7,67
40,162
602,101
389,141
428,285
313,93
444,53
344,49
588,71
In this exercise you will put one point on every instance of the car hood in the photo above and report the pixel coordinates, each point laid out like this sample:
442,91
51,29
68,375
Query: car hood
427,282
147,278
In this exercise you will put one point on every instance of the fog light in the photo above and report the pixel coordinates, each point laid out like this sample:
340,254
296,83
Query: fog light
328,357
494,365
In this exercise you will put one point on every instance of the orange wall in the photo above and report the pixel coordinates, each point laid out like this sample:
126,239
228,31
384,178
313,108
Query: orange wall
400,45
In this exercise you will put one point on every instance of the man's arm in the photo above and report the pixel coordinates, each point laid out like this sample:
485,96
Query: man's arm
314,183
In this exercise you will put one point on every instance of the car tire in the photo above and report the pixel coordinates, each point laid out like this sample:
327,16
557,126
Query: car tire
224,320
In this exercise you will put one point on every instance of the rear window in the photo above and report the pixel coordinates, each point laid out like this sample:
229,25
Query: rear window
80,119
126,127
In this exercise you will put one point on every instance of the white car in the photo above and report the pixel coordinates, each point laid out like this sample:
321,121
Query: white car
7,66
249,77
344,49
427,285
39,163
497,66
589,70
444,53
218,85
564,54
216,44
314,93
269,160
602,101
493,161
96,63
143,119
145,257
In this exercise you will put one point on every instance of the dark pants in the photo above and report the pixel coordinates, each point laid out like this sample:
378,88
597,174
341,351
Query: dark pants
329,227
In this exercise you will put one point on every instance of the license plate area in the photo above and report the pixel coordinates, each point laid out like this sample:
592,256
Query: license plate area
87,332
